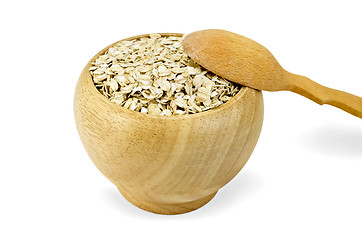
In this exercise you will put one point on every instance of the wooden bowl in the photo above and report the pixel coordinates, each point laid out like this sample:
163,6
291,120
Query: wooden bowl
167,164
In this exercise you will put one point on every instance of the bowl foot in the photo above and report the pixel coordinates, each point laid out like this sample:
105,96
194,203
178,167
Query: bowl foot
167,209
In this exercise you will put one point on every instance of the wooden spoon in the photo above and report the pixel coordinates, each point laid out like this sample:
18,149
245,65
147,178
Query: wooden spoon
244,61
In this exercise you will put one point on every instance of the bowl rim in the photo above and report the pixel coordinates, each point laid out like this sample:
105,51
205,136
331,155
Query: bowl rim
86,74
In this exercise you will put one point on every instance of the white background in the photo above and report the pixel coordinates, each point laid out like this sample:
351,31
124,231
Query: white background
303,181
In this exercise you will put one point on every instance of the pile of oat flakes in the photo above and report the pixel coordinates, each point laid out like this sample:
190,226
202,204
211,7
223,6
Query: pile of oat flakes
153,75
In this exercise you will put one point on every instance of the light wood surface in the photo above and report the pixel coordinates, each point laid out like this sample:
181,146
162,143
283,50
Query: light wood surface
167,165
242,60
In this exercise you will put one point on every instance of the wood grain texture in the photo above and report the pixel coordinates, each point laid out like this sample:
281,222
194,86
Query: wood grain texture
167,165
244,61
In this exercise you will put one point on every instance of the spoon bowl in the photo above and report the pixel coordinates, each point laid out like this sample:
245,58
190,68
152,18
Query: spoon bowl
236,58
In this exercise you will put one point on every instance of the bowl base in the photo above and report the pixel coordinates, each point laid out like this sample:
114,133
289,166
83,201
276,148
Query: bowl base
167,209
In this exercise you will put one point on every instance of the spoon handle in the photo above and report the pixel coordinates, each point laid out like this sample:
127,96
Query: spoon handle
324,95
